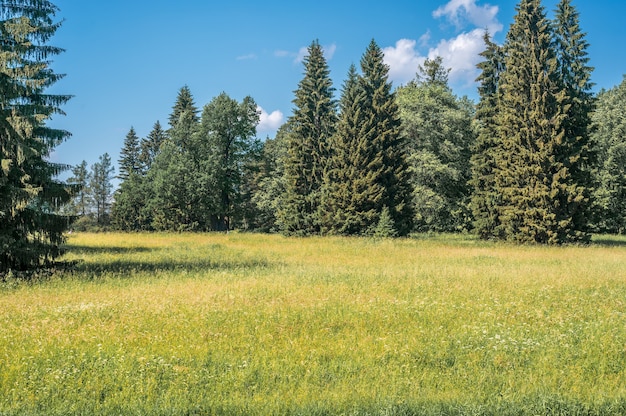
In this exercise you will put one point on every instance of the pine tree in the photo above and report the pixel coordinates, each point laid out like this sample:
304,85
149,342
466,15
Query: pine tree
129,163
31,233
184,103
485,198
351,194
575,76
313,123
151,145
183,119
101,187
80,178
530,173
382,129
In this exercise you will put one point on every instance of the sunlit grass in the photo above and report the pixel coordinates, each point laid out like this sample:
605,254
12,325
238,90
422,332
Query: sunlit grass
260,324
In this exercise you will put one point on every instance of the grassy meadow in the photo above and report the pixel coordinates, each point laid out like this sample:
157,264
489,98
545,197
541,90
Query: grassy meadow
245,324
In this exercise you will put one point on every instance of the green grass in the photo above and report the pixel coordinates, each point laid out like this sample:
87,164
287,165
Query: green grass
258,324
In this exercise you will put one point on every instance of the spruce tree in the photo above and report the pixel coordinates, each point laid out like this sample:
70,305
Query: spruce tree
531,175
31,233
151,145
129,162
351,194
184,119
381,128
313,124
485,198
575,76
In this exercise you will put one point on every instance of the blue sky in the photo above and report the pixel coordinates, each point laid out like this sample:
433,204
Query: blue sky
125,60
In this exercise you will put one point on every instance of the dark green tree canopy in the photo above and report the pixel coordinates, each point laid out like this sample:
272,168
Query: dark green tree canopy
31,233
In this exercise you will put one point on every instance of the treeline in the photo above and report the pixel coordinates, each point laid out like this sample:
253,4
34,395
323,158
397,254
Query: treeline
538,159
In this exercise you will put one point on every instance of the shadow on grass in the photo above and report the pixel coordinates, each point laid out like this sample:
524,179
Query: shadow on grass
105,250
126,267
165,263
609,241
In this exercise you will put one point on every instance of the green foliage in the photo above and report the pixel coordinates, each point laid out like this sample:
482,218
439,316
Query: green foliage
387,147
80,179
351,193
485,197
224,146
385,228
151,146
101,187
268,183
312,125
31,233
129,162
438,128
609,135
540,192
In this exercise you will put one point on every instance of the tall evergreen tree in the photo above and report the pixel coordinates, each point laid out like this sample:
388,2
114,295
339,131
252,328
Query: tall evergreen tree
313,123
532,175
151,145
129,156
485,198
382,129
30,231
575,76
184,102
351,194
184,119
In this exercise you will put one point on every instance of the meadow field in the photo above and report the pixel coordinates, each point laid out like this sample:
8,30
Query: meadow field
247,324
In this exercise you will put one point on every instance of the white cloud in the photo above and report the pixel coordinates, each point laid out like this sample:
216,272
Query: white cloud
281,53
269,122
461,11
461,54
403,60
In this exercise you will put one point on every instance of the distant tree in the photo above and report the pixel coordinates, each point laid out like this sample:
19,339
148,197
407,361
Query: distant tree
226,139
438,128
101,187
174,188
485,198
81,178
128,211
151,145
382,126
312,125
432,72
171,205
269,182
129,162
31,231
609,136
